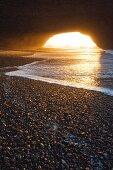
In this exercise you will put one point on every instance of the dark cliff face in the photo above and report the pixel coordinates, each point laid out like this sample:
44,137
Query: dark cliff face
25,23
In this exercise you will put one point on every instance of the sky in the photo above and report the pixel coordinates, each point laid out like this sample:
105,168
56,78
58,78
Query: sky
27,23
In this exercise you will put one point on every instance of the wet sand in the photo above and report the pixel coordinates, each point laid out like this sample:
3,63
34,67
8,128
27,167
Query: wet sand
48,126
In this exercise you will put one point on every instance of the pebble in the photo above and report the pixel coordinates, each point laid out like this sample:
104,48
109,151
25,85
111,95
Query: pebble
40,131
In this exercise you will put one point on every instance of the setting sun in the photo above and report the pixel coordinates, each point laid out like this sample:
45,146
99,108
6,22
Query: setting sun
70,40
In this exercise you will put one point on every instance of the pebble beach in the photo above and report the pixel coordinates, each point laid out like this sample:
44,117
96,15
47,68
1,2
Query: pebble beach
52,127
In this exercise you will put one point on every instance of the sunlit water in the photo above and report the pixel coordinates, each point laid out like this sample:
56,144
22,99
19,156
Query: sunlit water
92,70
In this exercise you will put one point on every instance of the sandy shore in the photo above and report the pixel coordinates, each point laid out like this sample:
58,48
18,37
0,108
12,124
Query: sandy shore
52,127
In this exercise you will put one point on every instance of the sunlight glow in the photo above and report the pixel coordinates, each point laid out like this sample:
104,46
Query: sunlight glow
70,40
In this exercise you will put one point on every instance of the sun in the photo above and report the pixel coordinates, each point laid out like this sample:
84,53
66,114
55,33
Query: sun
70,40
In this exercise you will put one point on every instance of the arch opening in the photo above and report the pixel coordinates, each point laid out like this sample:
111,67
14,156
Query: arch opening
70,40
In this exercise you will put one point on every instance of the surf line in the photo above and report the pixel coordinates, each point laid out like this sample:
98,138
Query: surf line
8,67
20,73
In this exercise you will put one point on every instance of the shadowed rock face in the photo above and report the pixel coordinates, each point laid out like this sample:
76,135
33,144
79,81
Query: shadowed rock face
29,23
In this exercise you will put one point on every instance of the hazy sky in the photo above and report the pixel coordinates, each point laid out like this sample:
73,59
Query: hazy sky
27,18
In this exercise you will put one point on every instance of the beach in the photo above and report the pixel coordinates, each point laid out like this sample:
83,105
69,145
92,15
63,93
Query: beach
51,126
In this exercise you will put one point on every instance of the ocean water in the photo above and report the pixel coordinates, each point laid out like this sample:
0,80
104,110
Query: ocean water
91,70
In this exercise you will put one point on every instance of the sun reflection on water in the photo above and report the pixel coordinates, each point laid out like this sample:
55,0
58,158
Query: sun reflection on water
85,70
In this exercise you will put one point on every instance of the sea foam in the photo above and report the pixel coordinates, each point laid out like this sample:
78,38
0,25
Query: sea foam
109,51
20,73
54,67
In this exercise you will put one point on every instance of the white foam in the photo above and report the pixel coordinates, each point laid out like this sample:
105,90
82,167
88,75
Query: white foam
20,73
8,67
27,65
109,51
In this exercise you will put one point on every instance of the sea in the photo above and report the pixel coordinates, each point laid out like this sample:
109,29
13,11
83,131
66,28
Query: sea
85,69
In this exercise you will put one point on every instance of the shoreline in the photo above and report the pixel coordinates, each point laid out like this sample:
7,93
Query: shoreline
50,126
20,73
10,66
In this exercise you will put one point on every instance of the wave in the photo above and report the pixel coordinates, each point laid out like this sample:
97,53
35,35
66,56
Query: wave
19,73
8,67
109,52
